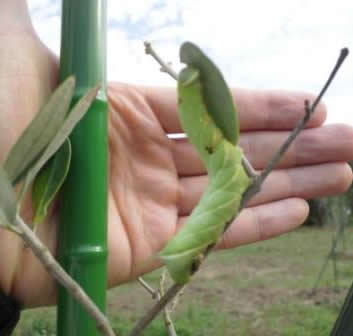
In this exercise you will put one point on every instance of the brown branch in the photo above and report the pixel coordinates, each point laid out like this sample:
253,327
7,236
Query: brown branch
150,315
164,66
157,294
249,169
253,189
154,293
166,311
55,270
309,110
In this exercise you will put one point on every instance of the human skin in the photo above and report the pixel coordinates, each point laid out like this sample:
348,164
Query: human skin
155,181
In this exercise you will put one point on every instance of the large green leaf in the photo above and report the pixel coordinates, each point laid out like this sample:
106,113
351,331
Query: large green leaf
7,200
49,180
217,96
40,132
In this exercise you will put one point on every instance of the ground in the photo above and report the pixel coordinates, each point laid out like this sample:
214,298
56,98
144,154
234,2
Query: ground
260,289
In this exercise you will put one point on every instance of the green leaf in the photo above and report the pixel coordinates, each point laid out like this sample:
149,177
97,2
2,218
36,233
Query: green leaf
70,122
49,180
7,200
40,132
218,98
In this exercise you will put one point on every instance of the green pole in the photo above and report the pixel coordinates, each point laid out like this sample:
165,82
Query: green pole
83,226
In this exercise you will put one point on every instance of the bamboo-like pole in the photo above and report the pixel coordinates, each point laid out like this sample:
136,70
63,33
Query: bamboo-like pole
83,227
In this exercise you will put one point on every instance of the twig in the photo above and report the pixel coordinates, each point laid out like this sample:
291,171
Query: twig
253,189
256,187
151,314
166,311
251,172
164,66
309,110
54,268
154,293
157,294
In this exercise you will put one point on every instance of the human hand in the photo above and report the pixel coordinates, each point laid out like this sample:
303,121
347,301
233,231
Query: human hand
155,181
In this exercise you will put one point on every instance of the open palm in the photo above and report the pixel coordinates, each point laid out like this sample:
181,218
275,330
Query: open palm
155,181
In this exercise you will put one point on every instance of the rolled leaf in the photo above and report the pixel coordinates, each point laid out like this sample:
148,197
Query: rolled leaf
216,94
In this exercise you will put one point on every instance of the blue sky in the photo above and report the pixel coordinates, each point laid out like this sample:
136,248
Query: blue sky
258,44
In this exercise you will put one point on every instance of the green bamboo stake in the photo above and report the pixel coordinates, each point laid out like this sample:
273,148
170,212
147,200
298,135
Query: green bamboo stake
83,228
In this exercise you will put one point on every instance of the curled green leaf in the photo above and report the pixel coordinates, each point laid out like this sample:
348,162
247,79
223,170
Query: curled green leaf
217,96
49,180
40,132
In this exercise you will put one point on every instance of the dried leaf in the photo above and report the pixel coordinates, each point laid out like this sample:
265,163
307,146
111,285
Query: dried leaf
40,132
49,180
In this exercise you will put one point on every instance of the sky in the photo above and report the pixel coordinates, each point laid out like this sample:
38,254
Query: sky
289,45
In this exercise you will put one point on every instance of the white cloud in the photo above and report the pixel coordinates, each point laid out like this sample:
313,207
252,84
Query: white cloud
258,44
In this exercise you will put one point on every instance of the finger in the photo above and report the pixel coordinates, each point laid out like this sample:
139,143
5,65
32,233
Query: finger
265,221
258,110
312,146
304,182
329,143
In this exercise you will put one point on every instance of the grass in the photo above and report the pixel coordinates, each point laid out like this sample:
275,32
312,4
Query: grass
259,289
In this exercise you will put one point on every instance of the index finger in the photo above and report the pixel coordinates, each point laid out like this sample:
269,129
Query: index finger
258,110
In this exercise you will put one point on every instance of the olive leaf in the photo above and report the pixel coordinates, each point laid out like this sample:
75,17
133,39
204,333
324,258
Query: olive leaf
75,115
40,132
217,96
49,180
7,200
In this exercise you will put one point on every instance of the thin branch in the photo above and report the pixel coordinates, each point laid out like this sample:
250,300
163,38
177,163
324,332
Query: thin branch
309,110
249,169
54,268
166,311
150,315
154,293
157,294
253,189
164,66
